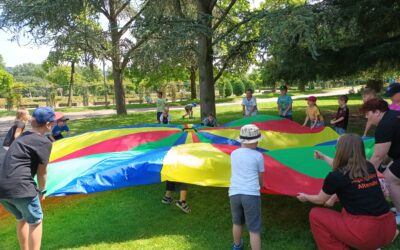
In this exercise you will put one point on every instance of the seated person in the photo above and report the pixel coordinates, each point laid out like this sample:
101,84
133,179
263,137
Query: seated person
210,121
59,128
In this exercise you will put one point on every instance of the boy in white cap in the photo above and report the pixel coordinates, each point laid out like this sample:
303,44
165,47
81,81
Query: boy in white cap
247,166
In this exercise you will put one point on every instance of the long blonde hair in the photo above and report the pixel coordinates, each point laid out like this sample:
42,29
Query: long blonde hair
350,157
22,115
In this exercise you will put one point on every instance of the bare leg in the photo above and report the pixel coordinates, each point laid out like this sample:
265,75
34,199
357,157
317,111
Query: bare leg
255,241
23,234
183,194
393,184
35,236
237,234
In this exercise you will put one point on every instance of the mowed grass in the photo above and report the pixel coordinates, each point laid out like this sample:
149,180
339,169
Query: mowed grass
134,218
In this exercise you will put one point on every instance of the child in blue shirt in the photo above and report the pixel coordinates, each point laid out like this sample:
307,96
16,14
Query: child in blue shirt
59,128
285,104
210,121
247,166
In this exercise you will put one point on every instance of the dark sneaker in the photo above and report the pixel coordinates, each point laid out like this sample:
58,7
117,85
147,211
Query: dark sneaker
240,247
167,200
183,206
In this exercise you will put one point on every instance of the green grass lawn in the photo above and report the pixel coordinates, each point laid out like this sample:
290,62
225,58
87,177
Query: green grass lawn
134,218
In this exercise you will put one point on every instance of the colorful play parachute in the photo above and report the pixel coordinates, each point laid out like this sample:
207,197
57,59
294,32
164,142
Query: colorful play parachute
145,154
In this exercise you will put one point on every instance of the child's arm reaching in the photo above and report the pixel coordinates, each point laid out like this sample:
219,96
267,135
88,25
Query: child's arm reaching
306,120
334,121
321,156
287,109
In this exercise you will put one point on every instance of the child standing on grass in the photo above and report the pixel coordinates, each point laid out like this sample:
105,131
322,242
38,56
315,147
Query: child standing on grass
313,113
26,158
21,119
285,104
342,116
59,128
368,94
175,187
165,118
160,102
247,166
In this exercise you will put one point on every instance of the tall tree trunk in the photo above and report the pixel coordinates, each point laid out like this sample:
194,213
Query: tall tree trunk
205,57
193,82
119,92
71,84
375,84
105,83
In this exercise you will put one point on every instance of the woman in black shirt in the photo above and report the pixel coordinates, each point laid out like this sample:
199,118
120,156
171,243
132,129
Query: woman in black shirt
387,144
365,221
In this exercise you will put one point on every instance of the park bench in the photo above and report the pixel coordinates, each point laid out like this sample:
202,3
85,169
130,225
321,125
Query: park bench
133,101
74,104
101,103
29,105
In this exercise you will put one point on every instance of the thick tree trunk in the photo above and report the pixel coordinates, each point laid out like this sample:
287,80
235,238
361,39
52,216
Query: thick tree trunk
71,84
105,83
119,92
375,84
193,82
206,74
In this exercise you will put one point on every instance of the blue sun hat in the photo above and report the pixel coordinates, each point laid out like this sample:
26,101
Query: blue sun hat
42,115
194,104
393,89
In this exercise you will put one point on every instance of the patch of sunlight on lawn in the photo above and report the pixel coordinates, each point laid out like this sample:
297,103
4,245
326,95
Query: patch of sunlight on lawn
159,242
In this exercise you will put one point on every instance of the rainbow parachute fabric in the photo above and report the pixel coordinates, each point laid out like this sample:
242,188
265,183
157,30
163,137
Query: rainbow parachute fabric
146,154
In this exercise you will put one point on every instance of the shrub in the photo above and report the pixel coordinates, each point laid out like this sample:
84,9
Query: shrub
237,87
228,89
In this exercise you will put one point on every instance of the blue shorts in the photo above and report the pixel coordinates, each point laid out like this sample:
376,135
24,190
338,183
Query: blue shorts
28,209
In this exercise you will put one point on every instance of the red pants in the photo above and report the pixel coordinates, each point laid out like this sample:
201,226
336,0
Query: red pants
333,230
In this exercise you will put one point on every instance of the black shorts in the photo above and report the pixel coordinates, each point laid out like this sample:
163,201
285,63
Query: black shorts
188,109
175,186
158,116
395,168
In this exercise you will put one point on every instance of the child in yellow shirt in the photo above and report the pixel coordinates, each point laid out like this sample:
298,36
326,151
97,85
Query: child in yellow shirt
313,113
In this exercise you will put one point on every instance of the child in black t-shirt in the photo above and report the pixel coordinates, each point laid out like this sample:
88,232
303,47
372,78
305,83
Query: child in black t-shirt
342,116
21,119
26,158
